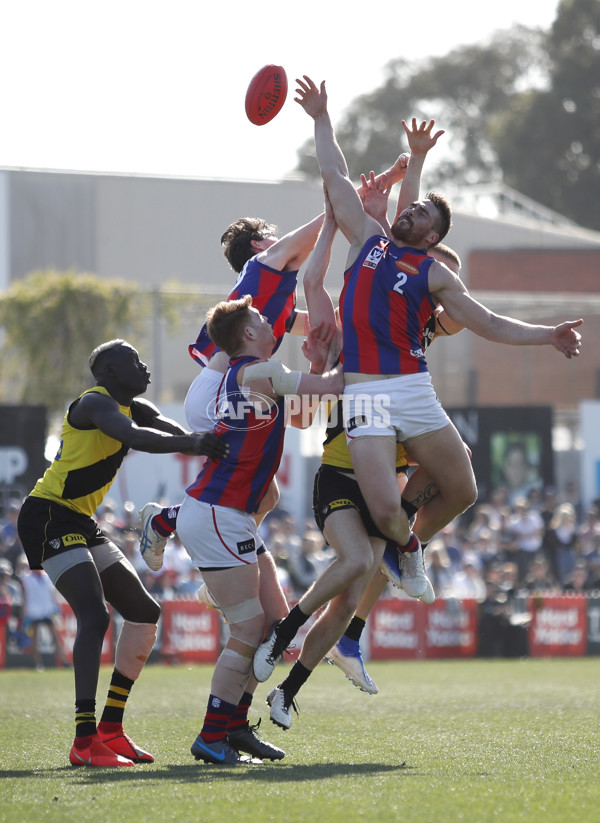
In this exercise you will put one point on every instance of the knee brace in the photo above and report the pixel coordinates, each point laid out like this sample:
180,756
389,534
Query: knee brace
135,643
245,610
236,661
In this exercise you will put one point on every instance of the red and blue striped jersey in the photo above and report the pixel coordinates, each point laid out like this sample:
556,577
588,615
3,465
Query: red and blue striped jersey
255,436
384,304
273,293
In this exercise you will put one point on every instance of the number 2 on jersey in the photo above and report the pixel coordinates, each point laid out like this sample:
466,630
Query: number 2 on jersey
402,278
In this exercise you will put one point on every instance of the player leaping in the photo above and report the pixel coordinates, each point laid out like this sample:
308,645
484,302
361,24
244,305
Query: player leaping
391,287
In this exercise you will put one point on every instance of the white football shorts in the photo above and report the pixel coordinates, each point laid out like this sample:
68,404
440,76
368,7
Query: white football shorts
217,537
401,407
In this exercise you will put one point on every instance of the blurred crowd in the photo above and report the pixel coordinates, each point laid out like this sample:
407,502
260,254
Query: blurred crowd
542,542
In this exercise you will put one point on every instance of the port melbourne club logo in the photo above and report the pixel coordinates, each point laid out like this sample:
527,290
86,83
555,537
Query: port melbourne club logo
243,412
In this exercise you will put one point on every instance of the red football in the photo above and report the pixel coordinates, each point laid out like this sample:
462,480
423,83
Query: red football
266,94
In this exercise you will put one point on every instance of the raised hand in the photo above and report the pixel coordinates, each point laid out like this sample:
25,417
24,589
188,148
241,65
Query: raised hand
374,193
399,167
316,346
312,99
395,174
420,138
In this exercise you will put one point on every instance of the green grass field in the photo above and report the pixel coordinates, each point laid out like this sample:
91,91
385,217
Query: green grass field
465,741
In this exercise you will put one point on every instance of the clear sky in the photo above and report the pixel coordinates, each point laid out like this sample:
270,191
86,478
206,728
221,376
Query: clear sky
141,86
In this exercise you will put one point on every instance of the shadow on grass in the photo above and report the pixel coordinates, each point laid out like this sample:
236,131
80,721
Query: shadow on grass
263,772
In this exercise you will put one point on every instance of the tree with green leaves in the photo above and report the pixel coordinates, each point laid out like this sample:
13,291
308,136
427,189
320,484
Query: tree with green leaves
548,144
523,109
52,320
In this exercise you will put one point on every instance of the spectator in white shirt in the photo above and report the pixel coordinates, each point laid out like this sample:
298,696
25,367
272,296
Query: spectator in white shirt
527,527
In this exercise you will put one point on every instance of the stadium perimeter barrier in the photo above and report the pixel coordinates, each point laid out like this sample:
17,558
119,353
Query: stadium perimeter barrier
540,625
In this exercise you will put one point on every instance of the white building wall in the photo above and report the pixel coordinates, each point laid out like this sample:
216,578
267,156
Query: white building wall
4,231
157,231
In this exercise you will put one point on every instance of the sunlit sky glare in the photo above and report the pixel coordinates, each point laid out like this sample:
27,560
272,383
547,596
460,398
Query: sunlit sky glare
132,86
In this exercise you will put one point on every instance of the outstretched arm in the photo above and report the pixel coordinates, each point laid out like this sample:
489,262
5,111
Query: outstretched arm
102,412
453,295
421,140
350,216
285,382
291,250
319,303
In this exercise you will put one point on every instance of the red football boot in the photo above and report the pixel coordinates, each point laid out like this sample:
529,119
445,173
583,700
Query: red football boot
120,743
97,754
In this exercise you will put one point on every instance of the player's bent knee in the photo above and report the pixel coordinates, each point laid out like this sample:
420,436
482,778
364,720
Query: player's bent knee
386,508
361,565
355,567
236,663
147,611
94,619
241,646
465,496
387,520
471,498
154,611
385,505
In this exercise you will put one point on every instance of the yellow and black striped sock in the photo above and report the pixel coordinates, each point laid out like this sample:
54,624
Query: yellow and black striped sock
85,718
118,692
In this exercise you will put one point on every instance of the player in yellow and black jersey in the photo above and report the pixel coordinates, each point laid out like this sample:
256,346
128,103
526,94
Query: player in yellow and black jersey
59,535
335,487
